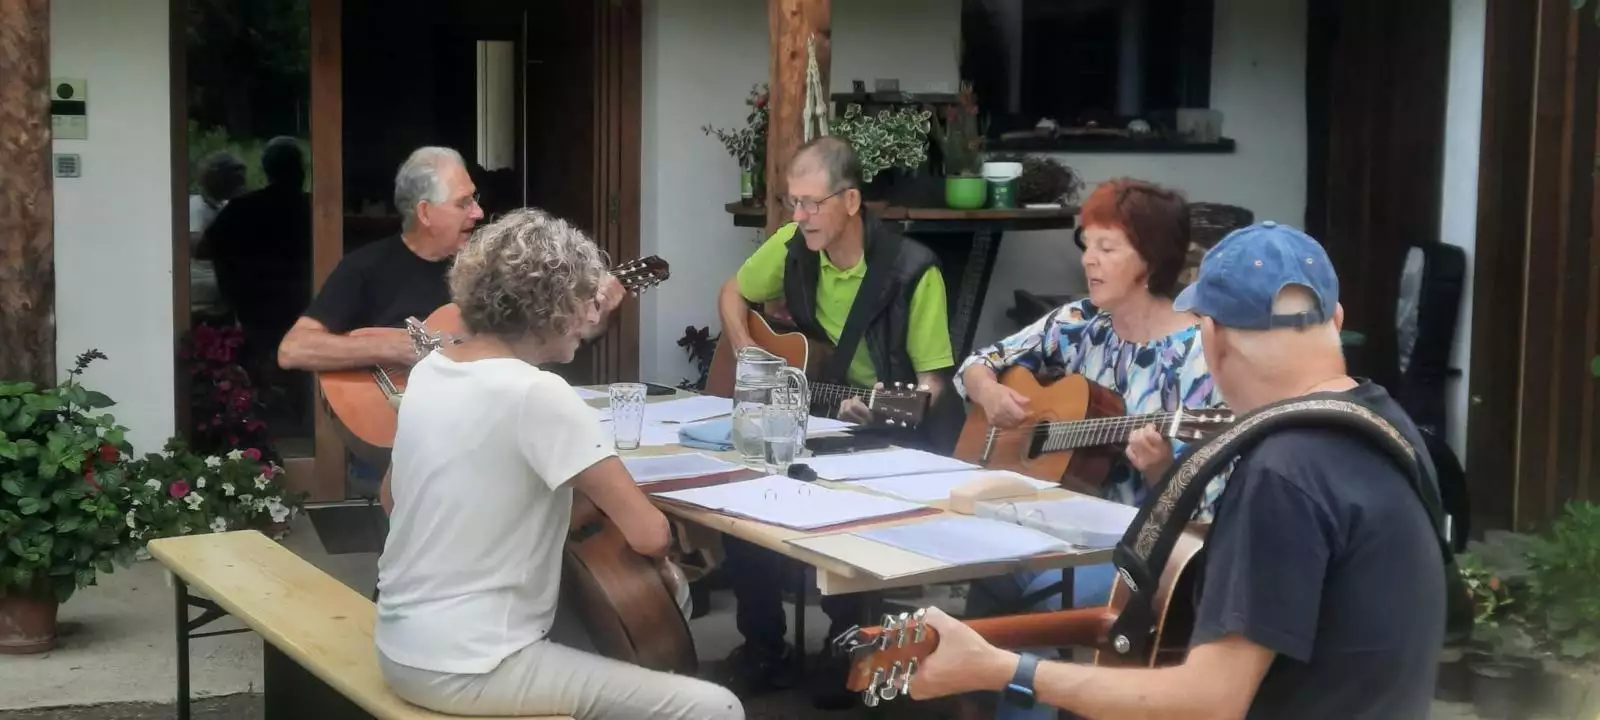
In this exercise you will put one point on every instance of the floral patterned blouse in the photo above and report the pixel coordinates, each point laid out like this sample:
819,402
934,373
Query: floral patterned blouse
1156,376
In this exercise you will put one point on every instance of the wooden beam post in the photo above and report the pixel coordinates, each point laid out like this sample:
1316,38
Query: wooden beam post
27,249
791,23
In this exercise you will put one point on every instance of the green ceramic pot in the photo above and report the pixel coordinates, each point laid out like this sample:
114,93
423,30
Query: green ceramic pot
965,193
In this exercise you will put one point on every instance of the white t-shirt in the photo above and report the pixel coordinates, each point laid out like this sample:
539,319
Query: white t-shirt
482,459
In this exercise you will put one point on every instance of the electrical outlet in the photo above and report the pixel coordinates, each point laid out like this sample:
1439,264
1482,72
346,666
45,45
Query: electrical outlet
67,165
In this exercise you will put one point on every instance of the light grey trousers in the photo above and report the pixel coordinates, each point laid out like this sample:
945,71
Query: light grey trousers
552,678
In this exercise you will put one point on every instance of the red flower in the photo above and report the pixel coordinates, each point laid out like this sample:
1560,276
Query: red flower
178,489
88,477
252,453
108,452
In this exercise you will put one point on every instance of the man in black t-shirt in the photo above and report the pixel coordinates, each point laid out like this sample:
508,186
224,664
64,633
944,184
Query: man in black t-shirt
1323,588
383,283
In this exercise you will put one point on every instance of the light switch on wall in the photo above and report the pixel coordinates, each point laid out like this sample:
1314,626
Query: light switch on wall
67,165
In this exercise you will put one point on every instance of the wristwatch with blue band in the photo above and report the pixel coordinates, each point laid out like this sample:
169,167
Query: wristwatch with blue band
1019,691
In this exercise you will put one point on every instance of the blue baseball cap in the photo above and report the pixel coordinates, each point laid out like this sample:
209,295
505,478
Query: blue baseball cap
1241,276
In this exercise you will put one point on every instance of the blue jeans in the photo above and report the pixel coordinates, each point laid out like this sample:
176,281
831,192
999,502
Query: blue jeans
1091,586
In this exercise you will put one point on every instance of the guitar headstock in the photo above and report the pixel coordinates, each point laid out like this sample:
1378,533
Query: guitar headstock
884,659
423,340
1193,424
898,405
642,274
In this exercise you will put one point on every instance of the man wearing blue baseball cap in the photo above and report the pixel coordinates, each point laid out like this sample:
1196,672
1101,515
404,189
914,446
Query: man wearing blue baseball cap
1323,594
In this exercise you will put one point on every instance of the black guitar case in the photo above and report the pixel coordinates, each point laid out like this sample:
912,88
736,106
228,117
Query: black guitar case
1435,307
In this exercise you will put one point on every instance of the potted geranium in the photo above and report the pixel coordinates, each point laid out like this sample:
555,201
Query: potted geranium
61,473
748,146
961,142
180,492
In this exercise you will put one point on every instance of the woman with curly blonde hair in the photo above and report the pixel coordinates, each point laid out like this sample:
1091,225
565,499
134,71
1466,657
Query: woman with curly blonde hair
488,452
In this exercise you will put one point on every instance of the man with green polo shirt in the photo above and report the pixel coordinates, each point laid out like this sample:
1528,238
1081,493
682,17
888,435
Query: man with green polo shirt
832,267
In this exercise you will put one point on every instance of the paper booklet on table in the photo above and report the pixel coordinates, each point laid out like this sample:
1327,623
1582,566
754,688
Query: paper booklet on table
790,503
932,487
935,544
1083,521
655,468
899,461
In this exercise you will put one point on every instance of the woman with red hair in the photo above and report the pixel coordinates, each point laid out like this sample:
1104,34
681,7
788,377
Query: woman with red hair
1126,337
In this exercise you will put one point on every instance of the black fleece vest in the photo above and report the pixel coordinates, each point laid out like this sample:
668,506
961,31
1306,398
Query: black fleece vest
902,260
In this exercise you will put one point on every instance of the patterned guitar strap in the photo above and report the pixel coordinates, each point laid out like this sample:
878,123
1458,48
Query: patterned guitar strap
1141,556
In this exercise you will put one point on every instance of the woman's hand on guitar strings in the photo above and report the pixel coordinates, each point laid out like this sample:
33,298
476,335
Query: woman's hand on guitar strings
1005,408
962,662
1149,452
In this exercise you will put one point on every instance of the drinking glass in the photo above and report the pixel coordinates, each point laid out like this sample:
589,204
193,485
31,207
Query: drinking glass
627,414
782,423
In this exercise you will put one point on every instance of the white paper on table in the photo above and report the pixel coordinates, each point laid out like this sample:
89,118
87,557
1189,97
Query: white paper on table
966,540
932,487
899,461
1083,521
656,468
650,434
589,394
687,410
779,500
817,425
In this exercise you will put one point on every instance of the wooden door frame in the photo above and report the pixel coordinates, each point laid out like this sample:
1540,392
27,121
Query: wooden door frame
329,467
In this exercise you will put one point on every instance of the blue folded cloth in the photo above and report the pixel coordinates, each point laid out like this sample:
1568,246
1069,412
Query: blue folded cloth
714,435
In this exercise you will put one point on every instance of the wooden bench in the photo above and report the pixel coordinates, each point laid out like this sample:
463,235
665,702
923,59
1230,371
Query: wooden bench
317,651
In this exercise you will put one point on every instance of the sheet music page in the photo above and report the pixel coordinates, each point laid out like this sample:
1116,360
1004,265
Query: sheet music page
899,461
687,410
588,394
960,540
779,500
932,487
650,434
671,467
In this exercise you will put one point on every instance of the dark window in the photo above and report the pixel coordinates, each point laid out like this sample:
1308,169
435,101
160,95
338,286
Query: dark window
1082,61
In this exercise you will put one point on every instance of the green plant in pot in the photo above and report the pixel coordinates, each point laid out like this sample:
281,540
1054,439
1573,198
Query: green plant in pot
61,525
961,142
748,146
884,142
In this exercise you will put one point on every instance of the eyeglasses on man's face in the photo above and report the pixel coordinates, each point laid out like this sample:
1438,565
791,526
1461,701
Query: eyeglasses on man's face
807,204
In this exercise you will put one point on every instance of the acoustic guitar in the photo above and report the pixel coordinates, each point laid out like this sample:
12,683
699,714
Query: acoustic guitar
899,405
884,659
1064,417
364,402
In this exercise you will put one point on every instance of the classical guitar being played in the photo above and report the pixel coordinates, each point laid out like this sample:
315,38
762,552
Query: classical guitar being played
1066,416
899,405
363,402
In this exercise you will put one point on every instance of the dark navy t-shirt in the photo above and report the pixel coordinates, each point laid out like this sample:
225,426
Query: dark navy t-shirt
1322,553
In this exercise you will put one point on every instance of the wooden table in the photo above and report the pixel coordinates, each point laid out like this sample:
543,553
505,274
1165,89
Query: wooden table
966,241
835,576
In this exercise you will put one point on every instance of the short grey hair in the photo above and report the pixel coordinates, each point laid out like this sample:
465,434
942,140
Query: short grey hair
527,274
832,155
420,178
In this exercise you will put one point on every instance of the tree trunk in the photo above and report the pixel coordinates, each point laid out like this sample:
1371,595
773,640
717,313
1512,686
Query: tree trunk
27,253
791,23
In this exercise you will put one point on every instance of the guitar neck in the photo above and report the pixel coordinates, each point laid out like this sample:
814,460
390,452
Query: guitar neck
1074,434
1080,627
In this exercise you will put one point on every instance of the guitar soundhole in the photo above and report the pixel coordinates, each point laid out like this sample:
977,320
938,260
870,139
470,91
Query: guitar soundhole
1036,441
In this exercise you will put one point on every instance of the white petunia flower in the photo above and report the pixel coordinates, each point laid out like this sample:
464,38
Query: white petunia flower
262,482
235,454
213,461
246,498
227,489
219,525
132,521
153,484
200,482
194,500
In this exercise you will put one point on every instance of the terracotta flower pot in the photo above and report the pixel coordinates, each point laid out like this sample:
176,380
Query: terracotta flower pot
27,623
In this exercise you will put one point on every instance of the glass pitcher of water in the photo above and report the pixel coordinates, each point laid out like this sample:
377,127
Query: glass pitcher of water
757,376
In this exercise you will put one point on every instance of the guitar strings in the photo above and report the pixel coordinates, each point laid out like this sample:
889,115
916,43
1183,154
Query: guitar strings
1123,422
